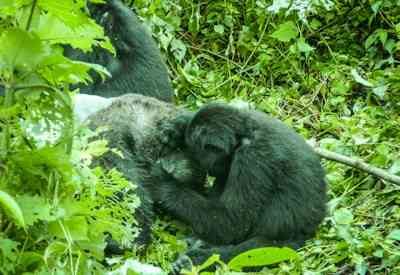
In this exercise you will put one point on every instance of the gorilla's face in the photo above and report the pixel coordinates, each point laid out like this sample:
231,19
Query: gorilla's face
212,155
212,136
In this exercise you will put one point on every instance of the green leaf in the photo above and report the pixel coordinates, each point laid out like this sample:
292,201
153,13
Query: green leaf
343,216
261,257
8,248
285,32
210,261
383,35
34,208
20,49
55,248
370,40
83,36
11,208
380,91
395,168
219,29
303,46
394,235
179,49
77,228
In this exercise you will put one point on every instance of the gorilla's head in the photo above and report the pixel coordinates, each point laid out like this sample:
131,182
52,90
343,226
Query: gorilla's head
213,135
180,167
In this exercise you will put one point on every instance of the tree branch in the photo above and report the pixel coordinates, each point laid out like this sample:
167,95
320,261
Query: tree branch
358,164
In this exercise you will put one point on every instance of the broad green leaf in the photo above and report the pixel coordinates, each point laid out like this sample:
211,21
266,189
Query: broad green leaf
370,40
20,49
261,257
380,91
6,3
55,248
34,208
29,259
285,32
77,228
343,216
55,30
178,48
394,235
11,208
210,261
219,29
395,168
7,247
383,35
303,46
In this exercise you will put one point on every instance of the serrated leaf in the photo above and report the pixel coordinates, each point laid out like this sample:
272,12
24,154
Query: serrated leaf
7,248
83,36
21,49
261,257
35,209
77,228
11,208
285,32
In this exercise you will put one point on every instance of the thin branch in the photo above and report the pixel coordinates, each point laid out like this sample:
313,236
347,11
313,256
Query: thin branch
358,164
28,23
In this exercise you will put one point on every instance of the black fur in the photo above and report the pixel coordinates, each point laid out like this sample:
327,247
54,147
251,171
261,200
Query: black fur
138,66
133,127
269,188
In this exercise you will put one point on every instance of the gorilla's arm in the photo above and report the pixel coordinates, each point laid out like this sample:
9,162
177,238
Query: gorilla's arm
209,218
140,68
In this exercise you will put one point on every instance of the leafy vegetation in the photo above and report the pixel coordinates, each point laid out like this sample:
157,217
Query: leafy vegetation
327,68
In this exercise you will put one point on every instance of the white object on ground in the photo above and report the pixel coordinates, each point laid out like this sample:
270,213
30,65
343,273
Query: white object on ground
86,105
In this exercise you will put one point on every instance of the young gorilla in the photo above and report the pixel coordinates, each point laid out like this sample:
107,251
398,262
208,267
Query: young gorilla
132,126
137,67
269,189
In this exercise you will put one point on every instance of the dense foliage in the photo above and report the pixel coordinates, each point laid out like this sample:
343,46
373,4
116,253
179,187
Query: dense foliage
327,68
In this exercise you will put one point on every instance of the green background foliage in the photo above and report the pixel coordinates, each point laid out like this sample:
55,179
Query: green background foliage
327,68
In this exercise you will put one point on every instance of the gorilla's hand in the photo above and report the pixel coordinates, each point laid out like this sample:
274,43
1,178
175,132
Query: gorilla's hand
183,262
173,131
192,257
158,171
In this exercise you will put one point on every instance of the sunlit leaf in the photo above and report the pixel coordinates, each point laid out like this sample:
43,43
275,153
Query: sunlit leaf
343,216
21,49
11,208
285,32
262,257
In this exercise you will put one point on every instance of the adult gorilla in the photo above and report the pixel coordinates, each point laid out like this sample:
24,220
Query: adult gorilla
137,67
269,188
132,124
